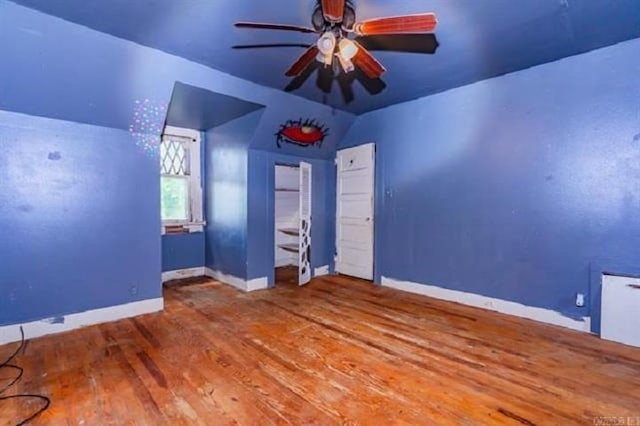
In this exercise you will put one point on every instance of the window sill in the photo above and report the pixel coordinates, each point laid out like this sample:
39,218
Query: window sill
172,228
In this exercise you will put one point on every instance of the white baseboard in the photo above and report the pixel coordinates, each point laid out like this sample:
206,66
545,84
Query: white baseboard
239,283
321,270
183,273
257,284
11,333
498,305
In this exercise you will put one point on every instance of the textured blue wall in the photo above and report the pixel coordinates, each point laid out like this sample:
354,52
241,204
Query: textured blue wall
226,158
513,187
182,251
261,246
80,219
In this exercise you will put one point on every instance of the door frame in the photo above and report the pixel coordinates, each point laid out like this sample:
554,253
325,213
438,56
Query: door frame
374,207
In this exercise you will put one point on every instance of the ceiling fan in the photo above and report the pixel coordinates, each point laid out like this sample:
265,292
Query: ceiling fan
342,41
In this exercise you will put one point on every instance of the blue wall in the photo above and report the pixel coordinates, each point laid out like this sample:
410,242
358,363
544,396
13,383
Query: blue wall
78,233
56,69
182,251
261,247
240,201
512,187
226,158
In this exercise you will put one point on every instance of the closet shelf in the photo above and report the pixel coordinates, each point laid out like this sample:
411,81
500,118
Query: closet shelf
287,190
293,248
290,231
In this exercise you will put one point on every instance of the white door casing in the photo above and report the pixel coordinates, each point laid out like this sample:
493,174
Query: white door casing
620,309
304,249
355,211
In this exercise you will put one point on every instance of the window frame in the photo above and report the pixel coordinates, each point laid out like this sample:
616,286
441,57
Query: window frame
195,222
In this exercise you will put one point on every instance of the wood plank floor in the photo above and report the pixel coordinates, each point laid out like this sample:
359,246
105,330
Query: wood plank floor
338,351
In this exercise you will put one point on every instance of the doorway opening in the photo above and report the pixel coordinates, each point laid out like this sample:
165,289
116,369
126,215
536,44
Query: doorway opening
292,224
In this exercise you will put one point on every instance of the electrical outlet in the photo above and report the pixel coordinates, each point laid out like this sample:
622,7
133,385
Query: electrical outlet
133,289
580,300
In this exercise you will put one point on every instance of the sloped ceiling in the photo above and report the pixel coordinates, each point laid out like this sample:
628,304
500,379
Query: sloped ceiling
197,108
57,69
478,39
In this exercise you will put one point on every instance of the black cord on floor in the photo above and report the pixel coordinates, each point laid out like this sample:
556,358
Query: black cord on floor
7,364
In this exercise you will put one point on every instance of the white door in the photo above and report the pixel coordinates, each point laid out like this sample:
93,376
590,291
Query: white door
620,310
354,221
304,248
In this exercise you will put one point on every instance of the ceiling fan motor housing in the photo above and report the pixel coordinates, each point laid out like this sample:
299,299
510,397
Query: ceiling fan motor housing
347,23
349,18
317,19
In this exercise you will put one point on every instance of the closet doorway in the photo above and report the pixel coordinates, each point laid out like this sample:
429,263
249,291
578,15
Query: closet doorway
292,225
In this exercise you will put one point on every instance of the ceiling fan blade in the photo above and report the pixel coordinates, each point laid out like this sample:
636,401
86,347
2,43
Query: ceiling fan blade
298,82
345,82
324,80
333,10
303,62
367,63
266,46
373,86
261,26
408,24
409,43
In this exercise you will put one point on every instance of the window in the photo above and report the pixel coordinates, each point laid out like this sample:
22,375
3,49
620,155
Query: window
181,190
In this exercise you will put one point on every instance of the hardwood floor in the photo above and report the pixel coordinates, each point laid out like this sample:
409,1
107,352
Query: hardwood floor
339,350
287,276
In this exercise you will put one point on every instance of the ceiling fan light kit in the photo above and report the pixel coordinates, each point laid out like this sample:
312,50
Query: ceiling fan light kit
338,47
327,47
346,64
348,49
